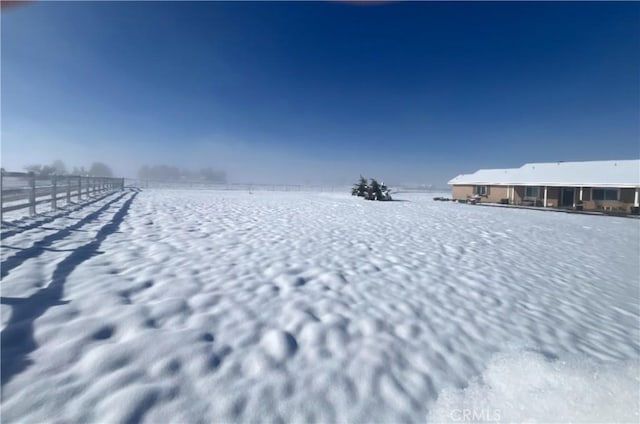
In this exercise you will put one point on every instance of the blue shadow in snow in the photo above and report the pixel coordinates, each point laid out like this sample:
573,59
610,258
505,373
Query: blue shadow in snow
38,247
17,337
22,228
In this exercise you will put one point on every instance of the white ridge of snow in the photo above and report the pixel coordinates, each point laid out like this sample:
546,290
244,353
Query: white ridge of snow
225,306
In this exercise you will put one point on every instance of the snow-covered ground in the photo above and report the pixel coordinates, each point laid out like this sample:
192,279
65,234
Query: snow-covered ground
226,306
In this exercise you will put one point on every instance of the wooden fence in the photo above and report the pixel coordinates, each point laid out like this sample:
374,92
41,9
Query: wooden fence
22,190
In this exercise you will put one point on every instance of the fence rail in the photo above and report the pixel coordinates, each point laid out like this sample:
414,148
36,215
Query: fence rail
22,190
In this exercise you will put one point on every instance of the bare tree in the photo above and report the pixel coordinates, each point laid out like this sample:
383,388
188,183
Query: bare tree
42,170
59,167
79,171
99,169
172,173
209,174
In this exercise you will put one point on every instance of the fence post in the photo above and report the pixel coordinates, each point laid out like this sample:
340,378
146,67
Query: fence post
32,193
86,183
54,193
68,190
79,188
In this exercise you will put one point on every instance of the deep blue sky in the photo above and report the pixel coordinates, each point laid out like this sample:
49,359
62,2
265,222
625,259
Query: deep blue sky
320,92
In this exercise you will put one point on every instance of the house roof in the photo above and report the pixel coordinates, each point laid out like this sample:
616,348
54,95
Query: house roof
607,173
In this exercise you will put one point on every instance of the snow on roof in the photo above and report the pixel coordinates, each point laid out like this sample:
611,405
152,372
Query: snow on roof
609,173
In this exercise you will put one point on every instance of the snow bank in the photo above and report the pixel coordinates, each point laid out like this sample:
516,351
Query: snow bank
527,387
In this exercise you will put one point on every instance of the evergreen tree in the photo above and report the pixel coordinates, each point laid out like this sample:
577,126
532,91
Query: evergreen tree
374,190
371,191
360,188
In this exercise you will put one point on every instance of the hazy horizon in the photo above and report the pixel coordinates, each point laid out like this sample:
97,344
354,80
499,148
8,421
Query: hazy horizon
319,93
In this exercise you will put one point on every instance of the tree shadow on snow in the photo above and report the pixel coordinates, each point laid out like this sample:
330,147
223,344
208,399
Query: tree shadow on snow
17,337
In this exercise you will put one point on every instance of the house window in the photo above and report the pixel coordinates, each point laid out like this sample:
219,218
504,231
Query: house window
532,192
605,194
480,190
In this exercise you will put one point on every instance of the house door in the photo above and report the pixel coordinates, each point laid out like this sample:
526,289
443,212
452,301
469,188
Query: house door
567,196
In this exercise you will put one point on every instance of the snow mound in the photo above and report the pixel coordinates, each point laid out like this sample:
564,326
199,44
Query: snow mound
527,386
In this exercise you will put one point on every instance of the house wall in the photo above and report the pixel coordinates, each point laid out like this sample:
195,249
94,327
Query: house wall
496,193
627,195
518,195
461,192
626,200
553,196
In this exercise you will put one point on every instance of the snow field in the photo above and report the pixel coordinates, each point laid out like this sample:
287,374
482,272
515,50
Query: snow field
211,306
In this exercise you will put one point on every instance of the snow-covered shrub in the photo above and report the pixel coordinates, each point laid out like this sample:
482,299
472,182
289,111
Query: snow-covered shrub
385,192
371,191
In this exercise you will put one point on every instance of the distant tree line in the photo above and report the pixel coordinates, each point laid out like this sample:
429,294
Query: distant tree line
58,167
172,173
